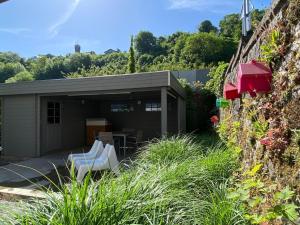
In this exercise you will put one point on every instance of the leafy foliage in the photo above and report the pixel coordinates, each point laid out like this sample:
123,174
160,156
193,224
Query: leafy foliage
206,27
251,191
271,50
10,57
22,76
131,63
108,64
145,61
217,75
206,48
200,106
231,25
145,43
10,69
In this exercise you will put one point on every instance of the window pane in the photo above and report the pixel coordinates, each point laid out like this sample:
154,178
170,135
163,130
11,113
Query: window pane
50,105
57,112
53,112
50,112
57,105
120,108
51,120
57,119
153,107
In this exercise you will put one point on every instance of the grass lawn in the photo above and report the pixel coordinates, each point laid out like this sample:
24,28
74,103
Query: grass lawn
178,180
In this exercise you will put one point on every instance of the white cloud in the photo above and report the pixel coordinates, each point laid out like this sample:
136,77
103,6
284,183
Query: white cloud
54,28
210,5
16,30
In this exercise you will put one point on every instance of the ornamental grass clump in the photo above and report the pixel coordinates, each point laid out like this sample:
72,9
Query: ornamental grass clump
176,180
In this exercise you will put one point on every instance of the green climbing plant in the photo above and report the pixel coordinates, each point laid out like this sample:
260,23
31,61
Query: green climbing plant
251,191
260,128
228,131
271,51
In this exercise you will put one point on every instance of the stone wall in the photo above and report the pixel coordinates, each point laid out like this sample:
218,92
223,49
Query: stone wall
268,126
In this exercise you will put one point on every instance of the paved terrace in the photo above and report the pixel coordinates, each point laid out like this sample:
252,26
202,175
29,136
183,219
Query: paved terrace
17,174
33,170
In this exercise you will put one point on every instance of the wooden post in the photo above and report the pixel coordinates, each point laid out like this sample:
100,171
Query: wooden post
181,114
164,111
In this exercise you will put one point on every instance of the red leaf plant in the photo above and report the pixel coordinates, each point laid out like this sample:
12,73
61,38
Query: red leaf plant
277,139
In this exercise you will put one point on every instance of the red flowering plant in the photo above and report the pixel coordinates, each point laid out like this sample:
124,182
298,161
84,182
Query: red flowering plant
269,107
277,138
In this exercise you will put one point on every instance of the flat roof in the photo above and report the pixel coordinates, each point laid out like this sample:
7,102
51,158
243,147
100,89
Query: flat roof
136,81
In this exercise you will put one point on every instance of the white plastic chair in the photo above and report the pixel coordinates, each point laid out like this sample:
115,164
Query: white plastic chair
107,160
94,153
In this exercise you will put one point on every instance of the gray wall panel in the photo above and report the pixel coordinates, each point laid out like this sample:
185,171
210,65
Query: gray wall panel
172,116
19,126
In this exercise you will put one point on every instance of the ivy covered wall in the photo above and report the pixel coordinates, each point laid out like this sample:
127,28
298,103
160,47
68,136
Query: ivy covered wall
266,128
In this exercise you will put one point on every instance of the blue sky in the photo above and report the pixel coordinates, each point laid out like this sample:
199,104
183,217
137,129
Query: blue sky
32,27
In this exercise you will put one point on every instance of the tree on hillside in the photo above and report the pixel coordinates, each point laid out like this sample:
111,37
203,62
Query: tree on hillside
145,43
206,48
179,44
22,76
43,67
78,60
206,26
131,60
231,26
145,61
10,57
8,70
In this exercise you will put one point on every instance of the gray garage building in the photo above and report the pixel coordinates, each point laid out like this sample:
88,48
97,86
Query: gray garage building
49,115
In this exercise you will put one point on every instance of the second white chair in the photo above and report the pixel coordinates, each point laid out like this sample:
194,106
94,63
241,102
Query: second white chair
107,160
94,153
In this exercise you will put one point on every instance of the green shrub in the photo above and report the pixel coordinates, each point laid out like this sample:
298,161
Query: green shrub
276,205
22,76
271,50
217,77
170,150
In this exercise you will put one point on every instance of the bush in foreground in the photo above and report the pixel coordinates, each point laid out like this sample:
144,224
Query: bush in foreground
173,181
